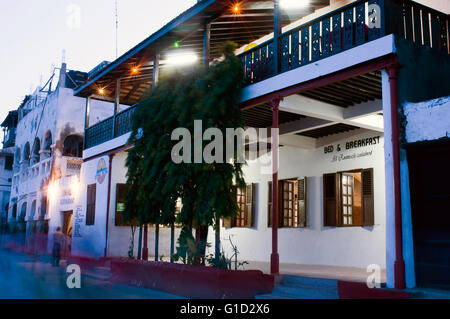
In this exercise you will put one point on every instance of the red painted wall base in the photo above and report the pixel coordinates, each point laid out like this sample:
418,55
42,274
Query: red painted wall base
191,281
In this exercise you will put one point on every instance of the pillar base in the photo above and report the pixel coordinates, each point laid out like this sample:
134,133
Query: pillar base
399,274
145,253
274,264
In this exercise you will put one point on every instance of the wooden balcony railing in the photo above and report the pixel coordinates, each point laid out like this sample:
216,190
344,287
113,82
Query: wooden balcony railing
347,27
103,131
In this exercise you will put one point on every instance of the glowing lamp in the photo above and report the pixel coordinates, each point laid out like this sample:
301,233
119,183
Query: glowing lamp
52,191
293,4
181,58
101,91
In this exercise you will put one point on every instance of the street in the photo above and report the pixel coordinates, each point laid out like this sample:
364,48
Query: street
23,277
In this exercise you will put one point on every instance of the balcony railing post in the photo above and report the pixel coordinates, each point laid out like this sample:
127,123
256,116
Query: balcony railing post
276,35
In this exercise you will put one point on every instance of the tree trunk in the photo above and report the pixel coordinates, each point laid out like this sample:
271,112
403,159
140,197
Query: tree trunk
217,244
156,242
203,235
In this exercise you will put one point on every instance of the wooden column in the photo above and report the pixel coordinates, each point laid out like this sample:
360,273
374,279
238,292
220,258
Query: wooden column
156,59
116,106
206,43
399,264
274,258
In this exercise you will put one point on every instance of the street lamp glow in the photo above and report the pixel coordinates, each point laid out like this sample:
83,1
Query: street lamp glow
181,58
293,4
74,186
52,191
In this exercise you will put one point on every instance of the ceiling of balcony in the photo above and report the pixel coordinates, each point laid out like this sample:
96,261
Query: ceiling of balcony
355,90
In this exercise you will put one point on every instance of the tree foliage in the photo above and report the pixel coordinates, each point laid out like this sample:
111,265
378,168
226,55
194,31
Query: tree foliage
154,180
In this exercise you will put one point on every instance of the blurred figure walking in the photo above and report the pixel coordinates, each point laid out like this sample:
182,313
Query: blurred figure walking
58,242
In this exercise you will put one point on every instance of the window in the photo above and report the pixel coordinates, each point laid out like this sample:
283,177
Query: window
348,198
120,206
291,203
9,163
245,200
90,207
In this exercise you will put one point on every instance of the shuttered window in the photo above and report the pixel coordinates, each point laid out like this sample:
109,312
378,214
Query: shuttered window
301,201
291,203
348,198
90,207
245,199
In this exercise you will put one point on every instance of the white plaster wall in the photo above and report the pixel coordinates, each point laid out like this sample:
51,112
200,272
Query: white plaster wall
428,120
92,238
315,244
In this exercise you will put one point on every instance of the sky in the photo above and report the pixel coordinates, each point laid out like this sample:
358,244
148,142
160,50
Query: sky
34,34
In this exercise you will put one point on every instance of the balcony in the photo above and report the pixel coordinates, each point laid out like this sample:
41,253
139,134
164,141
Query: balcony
109,128
302,41
343,29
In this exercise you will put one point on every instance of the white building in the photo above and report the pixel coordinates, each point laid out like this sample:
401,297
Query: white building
6,166
338,87
47,158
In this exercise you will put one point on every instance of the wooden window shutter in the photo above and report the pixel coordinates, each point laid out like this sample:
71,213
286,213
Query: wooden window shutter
90,207
228,221
301,193
368,218
269,205
250,205
330,200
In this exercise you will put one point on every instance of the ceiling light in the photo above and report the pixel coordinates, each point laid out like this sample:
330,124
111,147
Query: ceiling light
293,4
181,58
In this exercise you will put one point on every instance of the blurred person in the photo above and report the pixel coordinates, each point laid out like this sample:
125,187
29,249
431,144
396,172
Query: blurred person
58,242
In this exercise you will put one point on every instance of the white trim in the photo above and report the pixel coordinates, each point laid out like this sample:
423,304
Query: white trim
362,53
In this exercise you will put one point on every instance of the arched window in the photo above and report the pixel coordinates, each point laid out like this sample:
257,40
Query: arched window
73,146
14,211
17,159
47,151
26,152
23,212
33,209
43,208
36,148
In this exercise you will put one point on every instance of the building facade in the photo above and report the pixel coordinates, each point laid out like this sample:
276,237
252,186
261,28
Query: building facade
47,160
340,80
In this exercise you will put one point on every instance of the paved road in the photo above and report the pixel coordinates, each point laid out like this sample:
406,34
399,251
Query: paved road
24,277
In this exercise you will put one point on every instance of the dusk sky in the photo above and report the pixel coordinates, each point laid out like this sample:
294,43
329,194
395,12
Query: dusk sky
34,34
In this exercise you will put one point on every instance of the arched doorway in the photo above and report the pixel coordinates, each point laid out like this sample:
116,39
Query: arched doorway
46,149
73,146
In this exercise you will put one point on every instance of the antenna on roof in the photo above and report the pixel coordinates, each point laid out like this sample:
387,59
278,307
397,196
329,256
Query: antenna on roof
64,56
117,31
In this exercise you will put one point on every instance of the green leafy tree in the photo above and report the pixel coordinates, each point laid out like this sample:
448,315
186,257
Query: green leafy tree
155,181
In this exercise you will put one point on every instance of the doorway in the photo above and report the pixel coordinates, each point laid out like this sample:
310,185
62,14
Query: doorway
66,228
429,175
